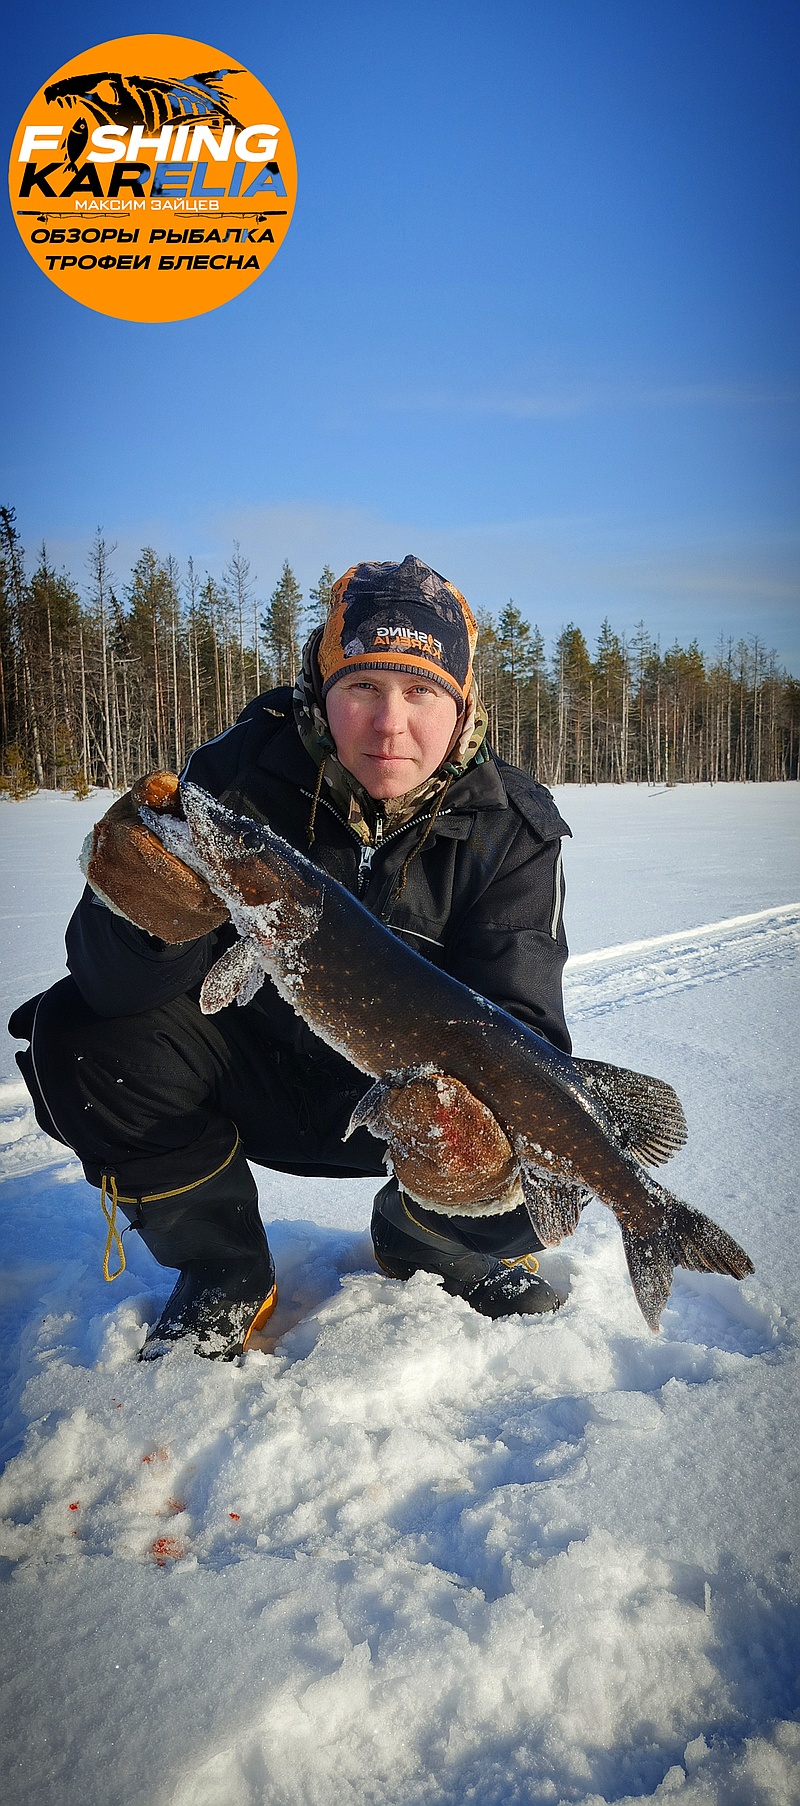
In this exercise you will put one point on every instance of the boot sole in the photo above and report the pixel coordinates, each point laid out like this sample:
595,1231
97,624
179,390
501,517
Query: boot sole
261,1317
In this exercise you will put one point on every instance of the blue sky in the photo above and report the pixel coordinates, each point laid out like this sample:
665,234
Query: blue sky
536,318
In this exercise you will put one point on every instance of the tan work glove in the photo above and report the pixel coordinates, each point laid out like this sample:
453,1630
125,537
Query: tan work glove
128,867
447,1150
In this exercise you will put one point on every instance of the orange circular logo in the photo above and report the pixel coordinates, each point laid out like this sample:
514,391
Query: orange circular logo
153,178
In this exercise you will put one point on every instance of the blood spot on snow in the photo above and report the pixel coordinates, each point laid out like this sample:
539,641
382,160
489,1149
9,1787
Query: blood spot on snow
235,1516
166,1548
155,1455
75,1506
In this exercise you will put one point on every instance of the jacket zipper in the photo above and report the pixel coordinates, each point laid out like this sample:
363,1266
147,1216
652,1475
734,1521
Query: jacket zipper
367,853
366,857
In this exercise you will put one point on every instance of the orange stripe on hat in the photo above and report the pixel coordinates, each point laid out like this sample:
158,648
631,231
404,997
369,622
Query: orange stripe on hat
399,617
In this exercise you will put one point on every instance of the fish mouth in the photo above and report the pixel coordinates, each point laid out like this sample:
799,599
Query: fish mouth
214,826
248,864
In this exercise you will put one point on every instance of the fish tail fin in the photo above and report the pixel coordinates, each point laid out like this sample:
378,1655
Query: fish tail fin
684,1238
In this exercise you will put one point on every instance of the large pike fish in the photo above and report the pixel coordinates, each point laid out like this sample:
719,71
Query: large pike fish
478,1111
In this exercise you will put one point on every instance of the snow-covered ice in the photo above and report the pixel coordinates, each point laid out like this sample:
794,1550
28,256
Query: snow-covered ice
403,1554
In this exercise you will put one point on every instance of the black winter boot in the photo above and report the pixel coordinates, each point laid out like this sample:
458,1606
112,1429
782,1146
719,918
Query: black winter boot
201,1307
486,1260
212,1231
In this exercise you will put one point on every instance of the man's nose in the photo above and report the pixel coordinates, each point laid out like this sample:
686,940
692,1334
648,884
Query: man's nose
390,715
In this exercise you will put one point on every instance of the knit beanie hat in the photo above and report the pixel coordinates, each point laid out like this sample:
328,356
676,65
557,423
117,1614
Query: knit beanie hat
399,617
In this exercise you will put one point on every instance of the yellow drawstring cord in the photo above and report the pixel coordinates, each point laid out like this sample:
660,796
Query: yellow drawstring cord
108,1184
113,1239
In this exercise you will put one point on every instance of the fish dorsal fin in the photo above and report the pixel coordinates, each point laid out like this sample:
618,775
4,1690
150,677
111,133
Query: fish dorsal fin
553,1205
645,1113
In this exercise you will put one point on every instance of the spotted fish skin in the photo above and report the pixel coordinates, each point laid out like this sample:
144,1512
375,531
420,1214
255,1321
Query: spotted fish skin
388,1011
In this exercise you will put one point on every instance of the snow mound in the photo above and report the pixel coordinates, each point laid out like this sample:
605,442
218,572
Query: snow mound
401,1555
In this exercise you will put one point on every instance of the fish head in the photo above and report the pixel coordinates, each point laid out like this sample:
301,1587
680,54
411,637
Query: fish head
258,875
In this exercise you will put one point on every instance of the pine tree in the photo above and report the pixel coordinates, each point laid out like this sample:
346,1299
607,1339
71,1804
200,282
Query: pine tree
16,778
29,713
99,566
150,599
212,635
487,668
516,661
316,610
237,579
281,625
573,668
55,618
612,681
540,755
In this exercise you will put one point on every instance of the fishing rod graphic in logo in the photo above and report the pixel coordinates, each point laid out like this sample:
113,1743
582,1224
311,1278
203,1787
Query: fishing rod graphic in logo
153,178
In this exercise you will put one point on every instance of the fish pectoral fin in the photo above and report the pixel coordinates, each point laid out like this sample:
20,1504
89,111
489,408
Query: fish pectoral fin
645,1113
682,1237
553,1205
369,1111
377,1109
235,978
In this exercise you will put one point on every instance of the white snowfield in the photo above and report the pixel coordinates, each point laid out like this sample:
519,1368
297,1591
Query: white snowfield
613,976
403,1554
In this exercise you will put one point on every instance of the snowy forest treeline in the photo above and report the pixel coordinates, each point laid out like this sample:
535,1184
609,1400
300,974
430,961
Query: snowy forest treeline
99,686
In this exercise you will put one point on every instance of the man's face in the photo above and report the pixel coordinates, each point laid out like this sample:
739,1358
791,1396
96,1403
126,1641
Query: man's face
392,729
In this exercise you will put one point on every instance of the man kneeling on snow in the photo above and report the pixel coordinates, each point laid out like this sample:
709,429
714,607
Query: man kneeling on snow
377,763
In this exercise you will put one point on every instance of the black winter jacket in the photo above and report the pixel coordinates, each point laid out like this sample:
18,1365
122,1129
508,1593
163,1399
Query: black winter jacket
483,898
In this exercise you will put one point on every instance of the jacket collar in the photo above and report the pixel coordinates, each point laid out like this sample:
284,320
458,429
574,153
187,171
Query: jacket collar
479,787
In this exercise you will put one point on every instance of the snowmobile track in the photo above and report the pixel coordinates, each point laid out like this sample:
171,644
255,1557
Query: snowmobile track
639,971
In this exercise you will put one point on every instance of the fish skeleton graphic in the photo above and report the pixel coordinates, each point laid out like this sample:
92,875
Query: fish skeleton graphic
572,1127
113,98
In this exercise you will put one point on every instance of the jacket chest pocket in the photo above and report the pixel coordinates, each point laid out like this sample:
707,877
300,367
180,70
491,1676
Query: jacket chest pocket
421,913
421,941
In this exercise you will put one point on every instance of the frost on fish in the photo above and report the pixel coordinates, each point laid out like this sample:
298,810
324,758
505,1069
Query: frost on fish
235,978
271,933
681,1238
478,1111
554,1205
177,837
